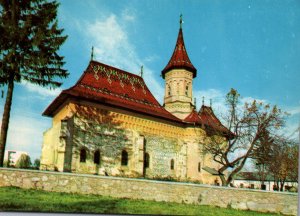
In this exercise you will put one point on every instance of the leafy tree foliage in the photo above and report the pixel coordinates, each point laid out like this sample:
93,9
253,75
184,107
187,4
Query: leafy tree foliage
247,126
262,154
29,44
37,163
5,163
281,159
23,161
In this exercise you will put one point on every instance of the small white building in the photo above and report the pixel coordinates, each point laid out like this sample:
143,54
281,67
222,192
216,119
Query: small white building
12,156
252,181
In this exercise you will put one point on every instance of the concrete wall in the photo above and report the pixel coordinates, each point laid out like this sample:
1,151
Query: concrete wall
285,203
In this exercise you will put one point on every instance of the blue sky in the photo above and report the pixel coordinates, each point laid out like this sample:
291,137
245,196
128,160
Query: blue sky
252,46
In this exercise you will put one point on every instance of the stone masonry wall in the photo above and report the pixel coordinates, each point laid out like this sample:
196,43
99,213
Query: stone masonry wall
285,203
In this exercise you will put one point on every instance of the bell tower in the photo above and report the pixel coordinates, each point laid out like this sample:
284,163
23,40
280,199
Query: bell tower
179,74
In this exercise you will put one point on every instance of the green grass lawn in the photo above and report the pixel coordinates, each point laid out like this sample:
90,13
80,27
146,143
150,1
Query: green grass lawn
16,199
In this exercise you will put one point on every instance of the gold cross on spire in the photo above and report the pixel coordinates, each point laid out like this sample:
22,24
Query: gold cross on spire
180,21
92,54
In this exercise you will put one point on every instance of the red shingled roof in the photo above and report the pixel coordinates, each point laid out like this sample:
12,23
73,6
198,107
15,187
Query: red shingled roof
104,84
180,58
207,119
212,123
193,117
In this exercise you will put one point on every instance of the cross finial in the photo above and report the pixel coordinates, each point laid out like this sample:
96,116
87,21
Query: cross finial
203,100
210,102
195,103
142,71
92,54
180,21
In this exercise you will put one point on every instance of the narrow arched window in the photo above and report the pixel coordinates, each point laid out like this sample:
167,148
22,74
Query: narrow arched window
172,164
169,90
186,90
82,155
199,167
124,158
97,157
147,160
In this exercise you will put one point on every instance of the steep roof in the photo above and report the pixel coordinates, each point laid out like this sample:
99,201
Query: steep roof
105,84
180,58
208,120
211,122
208,117
193,117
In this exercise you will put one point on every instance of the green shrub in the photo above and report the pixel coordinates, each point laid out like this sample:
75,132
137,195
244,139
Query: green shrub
23,161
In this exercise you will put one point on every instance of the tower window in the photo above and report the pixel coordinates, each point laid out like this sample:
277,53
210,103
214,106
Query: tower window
147,160
82,155
186,90
124,158
199,167
172,164
97,157
169,91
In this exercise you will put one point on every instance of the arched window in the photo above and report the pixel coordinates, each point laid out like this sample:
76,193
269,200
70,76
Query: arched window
82,155
97,157
199,167
186,90
147,160
124,158
172,164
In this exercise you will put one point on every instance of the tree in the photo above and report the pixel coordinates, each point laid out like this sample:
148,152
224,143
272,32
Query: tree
29,44
283,161
23,161
294,161
262,155
246,126
36,163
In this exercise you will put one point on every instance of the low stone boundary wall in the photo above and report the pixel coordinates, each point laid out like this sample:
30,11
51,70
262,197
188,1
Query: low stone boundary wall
244,199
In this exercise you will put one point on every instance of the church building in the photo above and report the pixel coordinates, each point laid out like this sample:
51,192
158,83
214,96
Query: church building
109,123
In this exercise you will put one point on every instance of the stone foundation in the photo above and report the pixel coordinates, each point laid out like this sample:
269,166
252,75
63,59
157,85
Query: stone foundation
244,199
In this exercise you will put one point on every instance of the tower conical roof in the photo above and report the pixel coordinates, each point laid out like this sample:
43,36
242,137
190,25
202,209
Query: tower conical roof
180,58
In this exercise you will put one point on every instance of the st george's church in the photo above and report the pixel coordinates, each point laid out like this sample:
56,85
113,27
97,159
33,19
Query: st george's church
109,123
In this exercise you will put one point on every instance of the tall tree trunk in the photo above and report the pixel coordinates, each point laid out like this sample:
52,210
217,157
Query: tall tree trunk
224,182
282,184
5,119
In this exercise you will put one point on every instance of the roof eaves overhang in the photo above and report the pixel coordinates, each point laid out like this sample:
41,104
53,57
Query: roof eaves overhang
212,171
59,102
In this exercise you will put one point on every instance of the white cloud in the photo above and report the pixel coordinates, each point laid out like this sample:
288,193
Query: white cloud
43,92
26,134
26,126
291,130
112,45
150,58
251,99
128,14
293,110
216,96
